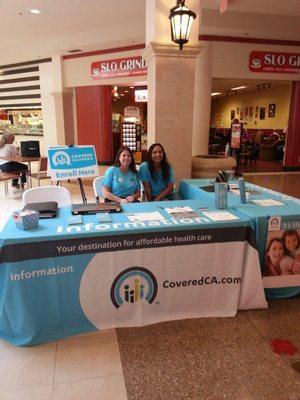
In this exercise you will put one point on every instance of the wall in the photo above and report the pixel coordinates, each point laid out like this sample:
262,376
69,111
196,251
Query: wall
48,106
230,60
279,95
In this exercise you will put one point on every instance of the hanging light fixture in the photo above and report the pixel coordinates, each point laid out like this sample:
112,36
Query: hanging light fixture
181,19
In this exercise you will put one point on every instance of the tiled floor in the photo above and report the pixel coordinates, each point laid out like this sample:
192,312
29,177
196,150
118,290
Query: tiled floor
191,359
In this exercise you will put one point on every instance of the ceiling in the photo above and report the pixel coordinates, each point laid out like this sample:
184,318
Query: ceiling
89,25
224,85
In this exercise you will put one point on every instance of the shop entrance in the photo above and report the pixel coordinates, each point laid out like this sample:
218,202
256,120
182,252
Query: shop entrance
263,109
129,119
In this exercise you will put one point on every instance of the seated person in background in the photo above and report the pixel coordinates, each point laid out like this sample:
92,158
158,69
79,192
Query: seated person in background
121,182
7,149
157,174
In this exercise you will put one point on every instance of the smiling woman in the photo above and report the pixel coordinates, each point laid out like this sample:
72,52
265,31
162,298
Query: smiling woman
121,183
157,174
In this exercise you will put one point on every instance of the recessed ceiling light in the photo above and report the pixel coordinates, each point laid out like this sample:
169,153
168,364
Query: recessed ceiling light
215,93
35,11
131,87
238,88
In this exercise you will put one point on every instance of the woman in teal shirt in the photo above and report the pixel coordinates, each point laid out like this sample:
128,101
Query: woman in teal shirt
121,182
157,174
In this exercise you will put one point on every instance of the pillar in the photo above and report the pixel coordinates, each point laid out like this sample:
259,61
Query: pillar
171,85
292,147
202,101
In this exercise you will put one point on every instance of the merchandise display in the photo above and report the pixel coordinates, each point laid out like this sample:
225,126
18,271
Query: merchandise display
131,135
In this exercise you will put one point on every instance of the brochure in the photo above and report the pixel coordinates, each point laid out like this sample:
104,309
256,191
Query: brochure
267,202
236,191
219,215
146,216
182,212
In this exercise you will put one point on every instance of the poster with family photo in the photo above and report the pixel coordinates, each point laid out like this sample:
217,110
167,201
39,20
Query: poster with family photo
246,112
282,254
256,112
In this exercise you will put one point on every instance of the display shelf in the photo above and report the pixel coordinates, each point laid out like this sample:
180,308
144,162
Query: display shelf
131,135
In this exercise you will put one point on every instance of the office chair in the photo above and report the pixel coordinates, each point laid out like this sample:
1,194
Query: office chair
47,193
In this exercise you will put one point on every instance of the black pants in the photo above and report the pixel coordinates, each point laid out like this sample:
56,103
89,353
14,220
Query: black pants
15,166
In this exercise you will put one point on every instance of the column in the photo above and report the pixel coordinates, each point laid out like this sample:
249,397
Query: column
51,83
292,146
171,86
202,101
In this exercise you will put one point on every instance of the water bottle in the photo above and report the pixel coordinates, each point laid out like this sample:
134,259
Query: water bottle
221,192
242,190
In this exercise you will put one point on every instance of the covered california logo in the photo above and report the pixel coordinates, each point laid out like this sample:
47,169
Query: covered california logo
132,285
61,158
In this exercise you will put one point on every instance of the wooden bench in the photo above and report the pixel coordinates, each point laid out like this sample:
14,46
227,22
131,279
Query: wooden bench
7,176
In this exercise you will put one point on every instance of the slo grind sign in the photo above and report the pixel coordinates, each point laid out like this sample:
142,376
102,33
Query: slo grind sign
263,61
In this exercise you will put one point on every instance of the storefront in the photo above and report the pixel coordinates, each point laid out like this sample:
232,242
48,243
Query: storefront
92,77
110,107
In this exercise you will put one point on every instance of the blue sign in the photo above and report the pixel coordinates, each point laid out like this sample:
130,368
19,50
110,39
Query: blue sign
72,162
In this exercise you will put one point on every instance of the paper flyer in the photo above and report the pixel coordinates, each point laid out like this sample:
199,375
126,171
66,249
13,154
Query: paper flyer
182,212
146,216
219,215
267,202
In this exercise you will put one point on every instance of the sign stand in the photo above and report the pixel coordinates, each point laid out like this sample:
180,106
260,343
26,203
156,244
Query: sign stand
84,199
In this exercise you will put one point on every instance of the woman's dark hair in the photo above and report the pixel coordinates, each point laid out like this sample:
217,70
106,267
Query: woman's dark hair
132,165
290,232
165,165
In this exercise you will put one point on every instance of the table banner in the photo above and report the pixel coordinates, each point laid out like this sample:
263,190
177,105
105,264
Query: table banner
126,280
282,254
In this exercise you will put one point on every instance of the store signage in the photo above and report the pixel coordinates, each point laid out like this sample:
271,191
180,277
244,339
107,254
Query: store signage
236,135
130,66
263,61
141,96
72,162
131,112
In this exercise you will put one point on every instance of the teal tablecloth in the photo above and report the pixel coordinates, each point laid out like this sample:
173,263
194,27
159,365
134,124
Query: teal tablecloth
59,280
260,216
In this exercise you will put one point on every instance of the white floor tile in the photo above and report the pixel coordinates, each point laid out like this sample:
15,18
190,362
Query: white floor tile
38,393
104,388
27,367
87,357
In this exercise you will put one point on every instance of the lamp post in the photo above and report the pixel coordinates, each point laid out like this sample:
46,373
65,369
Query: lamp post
181,19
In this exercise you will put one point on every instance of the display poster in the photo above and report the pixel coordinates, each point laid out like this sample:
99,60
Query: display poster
268,61
72,162
236,135
130,66
131,112
282,253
